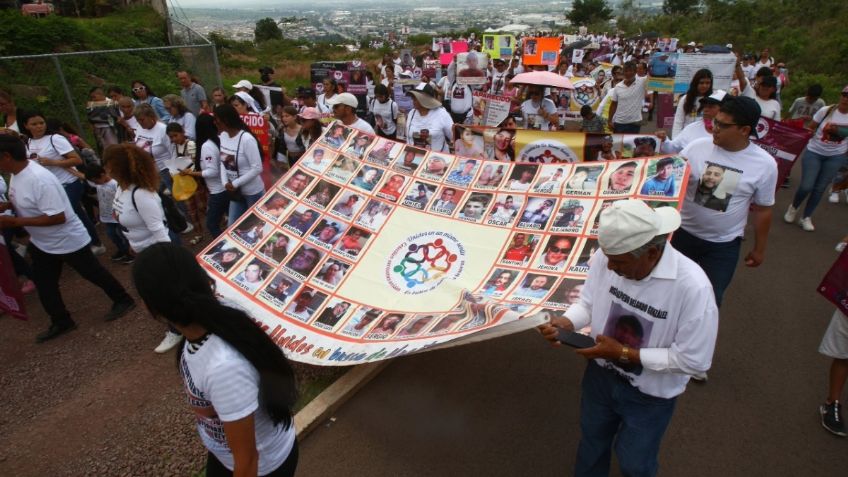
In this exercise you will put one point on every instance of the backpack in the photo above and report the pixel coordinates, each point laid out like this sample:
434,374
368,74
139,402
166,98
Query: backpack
174,219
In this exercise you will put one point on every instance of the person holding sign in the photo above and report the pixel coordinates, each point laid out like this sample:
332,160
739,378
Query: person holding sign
654,322
538,112
428,125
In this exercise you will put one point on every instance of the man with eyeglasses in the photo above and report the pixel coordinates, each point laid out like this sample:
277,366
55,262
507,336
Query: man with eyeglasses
710,235
538,112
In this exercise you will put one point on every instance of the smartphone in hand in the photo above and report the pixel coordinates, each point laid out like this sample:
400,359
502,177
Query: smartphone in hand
575,340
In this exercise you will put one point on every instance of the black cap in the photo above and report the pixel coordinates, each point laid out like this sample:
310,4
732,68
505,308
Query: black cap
745,111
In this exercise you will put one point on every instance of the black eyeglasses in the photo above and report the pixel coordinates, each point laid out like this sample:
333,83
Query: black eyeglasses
720,125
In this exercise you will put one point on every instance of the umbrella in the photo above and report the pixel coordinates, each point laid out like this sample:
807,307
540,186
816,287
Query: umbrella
543,78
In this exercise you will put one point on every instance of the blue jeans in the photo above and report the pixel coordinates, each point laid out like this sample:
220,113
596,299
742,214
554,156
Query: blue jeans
113,231
216,207
614,411
817,171
74,191
717,259
626,128
238,208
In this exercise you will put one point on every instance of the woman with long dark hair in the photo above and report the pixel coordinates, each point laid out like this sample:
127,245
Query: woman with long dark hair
689,106
239,383
207,166
142,94
241,161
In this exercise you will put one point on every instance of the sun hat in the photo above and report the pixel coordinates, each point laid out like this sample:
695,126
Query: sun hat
425,95
716,98
630,224
243,84
344,98
310,113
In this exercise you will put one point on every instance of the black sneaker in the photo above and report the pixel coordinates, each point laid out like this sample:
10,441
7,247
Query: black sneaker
831,418
119,309
127,259
54,331
785,184
117,257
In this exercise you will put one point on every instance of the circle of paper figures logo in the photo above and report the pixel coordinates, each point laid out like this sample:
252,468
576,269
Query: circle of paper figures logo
584,91
423,261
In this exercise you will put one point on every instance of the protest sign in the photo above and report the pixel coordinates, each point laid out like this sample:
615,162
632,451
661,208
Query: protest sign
431,69
273,95
449,50
260,128
470,68
11,298
672,72
784,142
541,51
499,46
585,93
349,75
834,285
489,109
368,254
577,56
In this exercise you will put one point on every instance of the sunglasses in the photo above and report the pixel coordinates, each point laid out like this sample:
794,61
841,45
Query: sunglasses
553,249
138,89
720,125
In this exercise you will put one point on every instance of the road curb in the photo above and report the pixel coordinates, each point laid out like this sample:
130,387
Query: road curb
326,403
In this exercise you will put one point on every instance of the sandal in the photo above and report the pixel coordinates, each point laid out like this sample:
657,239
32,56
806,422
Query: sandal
196,240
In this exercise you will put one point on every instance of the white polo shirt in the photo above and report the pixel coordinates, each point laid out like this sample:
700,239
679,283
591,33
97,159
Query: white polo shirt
629,101
673,311
749,177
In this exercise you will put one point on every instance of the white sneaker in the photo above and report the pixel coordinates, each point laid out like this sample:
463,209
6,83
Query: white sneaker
790,214
841,246
98,249
188,229
807,224
700,377
170,341
833,198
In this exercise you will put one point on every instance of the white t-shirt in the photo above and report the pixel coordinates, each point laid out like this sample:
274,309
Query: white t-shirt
362,125
439,124
825,146
34,192
105,199
671,316
241,162
629,101
322,105
53,146
696,130
155,141
187,121
748,177
210,167
529,110
144,223
387,112
223,386
681,119
769,108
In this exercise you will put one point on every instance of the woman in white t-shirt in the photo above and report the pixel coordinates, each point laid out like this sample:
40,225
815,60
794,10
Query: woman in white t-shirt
238,381
825,154
57,155
241,162
689,105
207,167
137,206
428,124
152,137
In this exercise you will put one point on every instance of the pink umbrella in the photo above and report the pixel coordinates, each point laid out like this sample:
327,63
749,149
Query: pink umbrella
543,78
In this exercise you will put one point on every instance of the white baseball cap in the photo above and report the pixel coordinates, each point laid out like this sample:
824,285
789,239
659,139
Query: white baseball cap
243,84
344,98
630,224
716,98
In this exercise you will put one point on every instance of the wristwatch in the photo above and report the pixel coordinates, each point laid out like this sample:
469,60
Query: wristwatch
625,353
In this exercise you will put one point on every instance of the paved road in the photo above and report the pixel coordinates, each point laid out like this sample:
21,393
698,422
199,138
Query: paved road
509,407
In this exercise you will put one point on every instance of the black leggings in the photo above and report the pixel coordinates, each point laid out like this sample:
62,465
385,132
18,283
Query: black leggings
214,467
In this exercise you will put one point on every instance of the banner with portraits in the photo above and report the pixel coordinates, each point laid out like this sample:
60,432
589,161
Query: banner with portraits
369,248
499,46
348,75
541,51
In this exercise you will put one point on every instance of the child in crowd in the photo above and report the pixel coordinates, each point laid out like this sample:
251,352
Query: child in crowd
183,151
592,123
106,188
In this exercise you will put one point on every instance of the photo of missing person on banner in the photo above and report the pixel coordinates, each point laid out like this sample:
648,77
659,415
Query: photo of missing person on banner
557,250
630,330
276,248
305,304
224,255
298,182
506,207
252,275
280,288
491,176
521,247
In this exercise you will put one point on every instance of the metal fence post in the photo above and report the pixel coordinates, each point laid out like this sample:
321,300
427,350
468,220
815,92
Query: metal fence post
217,68
68,95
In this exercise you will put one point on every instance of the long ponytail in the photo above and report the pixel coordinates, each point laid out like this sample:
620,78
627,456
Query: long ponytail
187,298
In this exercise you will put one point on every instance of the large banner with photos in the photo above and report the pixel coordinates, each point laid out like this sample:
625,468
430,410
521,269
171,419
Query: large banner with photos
369,248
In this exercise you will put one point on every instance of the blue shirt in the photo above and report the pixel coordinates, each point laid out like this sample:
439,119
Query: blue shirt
654,186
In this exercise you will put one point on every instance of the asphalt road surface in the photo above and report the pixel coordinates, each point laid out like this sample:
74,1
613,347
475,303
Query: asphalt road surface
510,407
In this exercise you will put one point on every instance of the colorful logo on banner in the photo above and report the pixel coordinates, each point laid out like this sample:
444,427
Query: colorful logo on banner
762,127
584,92
423,261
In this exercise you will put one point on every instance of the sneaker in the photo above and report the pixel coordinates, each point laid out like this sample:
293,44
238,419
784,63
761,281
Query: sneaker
98,249
831,418
128,259
790,215
807,224
119,309
785,184
833,198
117,256
54,331
700,377
188,229
27,287
170,341
841,246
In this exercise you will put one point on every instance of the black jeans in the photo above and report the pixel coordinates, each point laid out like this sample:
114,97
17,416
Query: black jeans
47,268
214,467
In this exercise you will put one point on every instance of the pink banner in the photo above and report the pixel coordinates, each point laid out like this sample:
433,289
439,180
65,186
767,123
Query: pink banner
784,142
11,298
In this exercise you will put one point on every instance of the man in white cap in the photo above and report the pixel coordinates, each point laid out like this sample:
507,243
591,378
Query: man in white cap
654,320
344,109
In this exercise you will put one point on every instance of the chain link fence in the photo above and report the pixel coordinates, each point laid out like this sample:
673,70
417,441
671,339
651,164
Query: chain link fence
58,84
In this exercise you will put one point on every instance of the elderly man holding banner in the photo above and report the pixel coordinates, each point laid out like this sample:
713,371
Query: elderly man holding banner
654,320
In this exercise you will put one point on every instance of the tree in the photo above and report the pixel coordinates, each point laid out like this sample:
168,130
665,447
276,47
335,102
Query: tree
267,29
680,7
585,12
